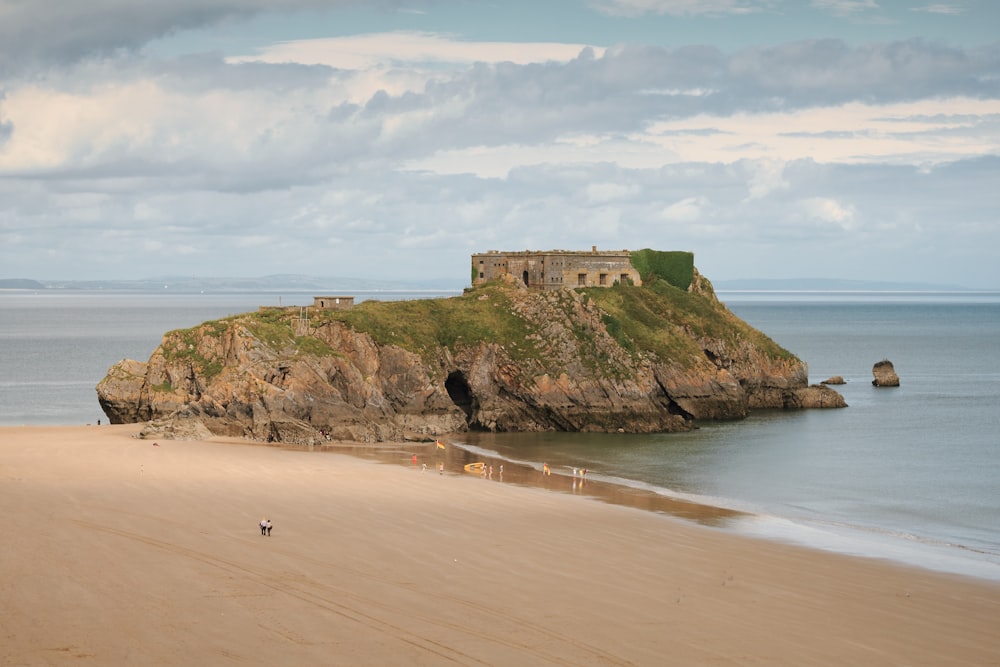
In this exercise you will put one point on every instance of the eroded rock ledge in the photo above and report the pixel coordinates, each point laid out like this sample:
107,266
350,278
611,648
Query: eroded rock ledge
499,357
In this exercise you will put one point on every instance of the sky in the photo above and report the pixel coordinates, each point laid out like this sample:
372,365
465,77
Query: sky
774,139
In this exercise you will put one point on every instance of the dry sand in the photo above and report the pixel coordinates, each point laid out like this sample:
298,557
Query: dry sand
118,552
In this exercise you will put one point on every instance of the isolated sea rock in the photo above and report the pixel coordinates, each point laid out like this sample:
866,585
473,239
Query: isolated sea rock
836,379
885,374
499,358
817,396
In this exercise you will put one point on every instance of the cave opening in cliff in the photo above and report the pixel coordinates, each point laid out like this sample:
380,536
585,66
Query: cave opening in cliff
461,394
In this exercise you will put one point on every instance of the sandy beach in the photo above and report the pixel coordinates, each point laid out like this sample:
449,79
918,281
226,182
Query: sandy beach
119,551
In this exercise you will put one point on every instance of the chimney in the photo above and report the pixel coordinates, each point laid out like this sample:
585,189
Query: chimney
593,249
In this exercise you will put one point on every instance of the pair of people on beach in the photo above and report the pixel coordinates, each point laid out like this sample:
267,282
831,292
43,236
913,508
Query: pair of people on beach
265,526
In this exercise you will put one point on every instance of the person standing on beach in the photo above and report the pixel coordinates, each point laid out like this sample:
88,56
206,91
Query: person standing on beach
263,526
269,528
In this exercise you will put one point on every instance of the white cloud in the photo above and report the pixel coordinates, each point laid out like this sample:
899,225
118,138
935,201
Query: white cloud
846,7
686,210
829,210
404,152
602,193
940,8
393,49
682,7
768,177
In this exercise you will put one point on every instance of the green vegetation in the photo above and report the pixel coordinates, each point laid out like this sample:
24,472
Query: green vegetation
276,333
660,319
617,331
164,386
676,267
424,326
310,346
182,345
655,318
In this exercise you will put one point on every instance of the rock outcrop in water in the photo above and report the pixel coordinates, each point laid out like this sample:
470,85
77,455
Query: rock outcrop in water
885,374
499,357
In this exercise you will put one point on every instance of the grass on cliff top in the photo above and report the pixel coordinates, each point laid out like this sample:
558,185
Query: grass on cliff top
647,319
423,326
651,318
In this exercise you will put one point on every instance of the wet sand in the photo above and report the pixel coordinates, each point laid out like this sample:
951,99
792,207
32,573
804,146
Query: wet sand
121,552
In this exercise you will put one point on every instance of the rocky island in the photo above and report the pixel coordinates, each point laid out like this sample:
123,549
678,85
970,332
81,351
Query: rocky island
503,356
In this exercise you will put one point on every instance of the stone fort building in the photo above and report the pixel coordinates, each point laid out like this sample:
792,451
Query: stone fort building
556,269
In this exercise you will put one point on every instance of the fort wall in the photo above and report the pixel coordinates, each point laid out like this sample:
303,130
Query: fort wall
556,269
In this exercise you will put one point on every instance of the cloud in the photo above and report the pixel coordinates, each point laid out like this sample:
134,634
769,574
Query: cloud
827,210
206,123
845,7
405,152
686,210
392,49
61,31
940,8
634,8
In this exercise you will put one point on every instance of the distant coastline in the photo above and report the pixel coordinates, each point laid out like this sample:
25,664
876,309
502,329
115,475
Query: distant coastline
320,284
195,284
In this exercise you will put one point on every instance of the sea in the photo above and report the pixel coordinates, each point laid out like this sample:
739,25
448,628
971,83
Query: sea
910,473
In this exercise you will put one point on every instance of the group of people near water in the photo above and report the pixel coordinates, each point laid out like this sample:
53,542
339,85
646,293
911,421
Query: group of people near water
581,472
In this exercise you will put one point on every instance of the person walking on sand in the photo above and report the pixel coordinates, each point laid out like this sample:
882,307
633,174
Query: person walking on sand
263,526
269,528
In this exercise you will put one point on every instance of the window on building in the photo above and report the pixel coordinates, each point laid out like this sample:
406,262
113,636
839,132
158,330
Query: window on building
602,279
624,279
581,279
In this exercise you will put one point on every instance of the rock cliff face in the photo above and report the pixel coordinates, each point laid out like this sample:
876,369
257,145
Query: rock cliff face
500,357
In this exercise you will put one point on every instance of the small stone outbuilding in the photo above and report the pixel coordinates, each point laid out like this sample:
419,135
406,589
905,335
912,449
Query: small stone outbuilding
333,302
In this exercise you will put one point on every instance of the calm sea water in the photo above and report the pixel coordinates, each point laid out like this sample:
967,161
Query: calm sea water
909,473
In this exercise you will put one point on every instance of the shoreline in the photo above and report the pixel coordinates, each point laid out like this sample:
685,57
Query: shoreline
848,540
455,457
125,551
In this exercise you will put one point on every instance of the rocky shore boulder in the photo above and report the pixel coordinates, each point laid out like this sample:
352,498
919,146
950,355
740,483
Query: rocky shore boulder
817,396
885,374
499,358
836,379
